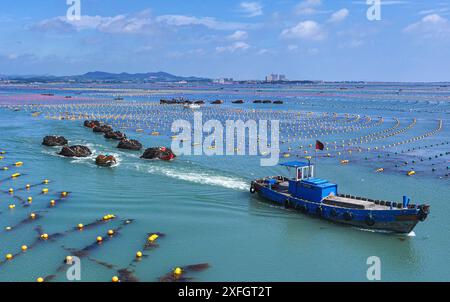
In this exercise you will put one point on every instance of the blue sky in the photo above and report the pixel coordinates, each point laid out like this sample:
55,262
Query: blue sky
304,39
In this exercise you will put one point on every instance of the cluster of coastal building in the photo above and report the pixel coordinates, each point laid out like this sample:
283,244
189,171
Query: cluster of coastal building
270,78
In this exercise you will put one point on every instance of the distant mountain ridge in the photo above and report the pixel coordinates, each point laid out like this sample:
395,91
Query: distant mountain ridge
101,76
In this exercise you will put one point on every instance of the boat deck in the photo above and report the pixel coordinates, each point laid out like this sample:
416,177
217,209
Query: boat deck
339,201
353,203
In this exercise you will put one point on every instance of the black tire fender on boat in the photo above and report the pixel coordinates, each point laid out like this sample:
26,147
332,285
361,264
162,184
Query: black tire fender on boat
370,220
422,216
252,189
319,211
423,212
348,216
287,204
303,208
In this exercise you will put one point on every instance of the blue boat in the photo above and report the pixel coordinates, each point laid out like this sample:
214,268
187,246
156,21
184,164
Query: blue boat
320,198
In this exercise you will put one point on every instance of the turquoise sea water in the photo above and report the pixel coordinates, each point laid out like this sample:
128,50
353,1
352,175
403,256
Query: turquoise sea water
202,203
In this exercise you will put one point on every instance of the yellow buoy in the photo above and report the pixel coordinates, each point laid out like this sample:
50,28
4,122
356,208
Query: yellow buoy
80,226
153,237
32,216
27,186
24,247
178,271
108,217
44,236
15,175
9,256
45,191
99,239
64,194
110,232
69,259
5,168
30,199
139,254
46,181
40,280
19,164
12,206
115,279
8,228
52,203
411,173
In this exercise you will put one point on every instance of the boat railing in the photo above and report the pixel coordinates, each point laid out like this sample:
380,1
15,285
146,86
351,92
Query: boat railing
398,205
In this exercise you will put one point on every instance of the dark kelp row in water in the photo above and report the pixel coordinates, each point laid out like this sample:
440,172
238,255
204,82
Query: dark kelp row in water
161,153
126,274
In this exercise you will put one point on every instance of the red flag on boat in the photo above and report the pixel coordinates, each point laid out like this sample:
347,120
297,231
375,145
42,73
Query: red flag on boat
320,145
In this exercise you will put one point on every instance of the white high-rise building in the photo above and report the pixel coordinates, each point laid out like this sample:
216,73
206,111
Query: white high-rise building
275,77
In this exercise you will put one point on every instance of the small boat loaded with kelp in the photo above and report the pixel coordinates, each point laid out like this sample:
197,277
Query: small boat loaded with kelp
320,198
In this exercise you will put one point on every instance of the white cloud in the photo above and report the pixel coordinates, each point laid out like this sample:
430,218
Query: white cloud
339,16
140,23
313,51
308,30
238,35
430,26
434,11
236,46
384,2
252,9
308,7
116,24
354,43
212,23
176,54
295,49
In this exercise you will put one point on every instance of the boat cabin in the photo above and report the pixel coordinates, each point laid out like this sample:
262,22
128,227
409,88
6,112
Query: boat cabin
304,185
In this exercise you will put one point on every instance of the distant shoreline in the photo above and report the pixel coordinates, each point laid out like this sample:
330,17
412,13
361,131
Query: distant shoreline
167,78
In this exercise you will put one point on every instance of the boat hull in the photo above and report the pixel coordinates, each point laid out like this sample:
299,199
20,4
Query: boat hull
389,220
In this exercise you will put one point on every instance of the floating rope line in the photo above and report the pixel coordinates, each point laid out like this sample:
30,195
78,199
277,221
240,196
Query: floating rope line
43,237
178,274
127,274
